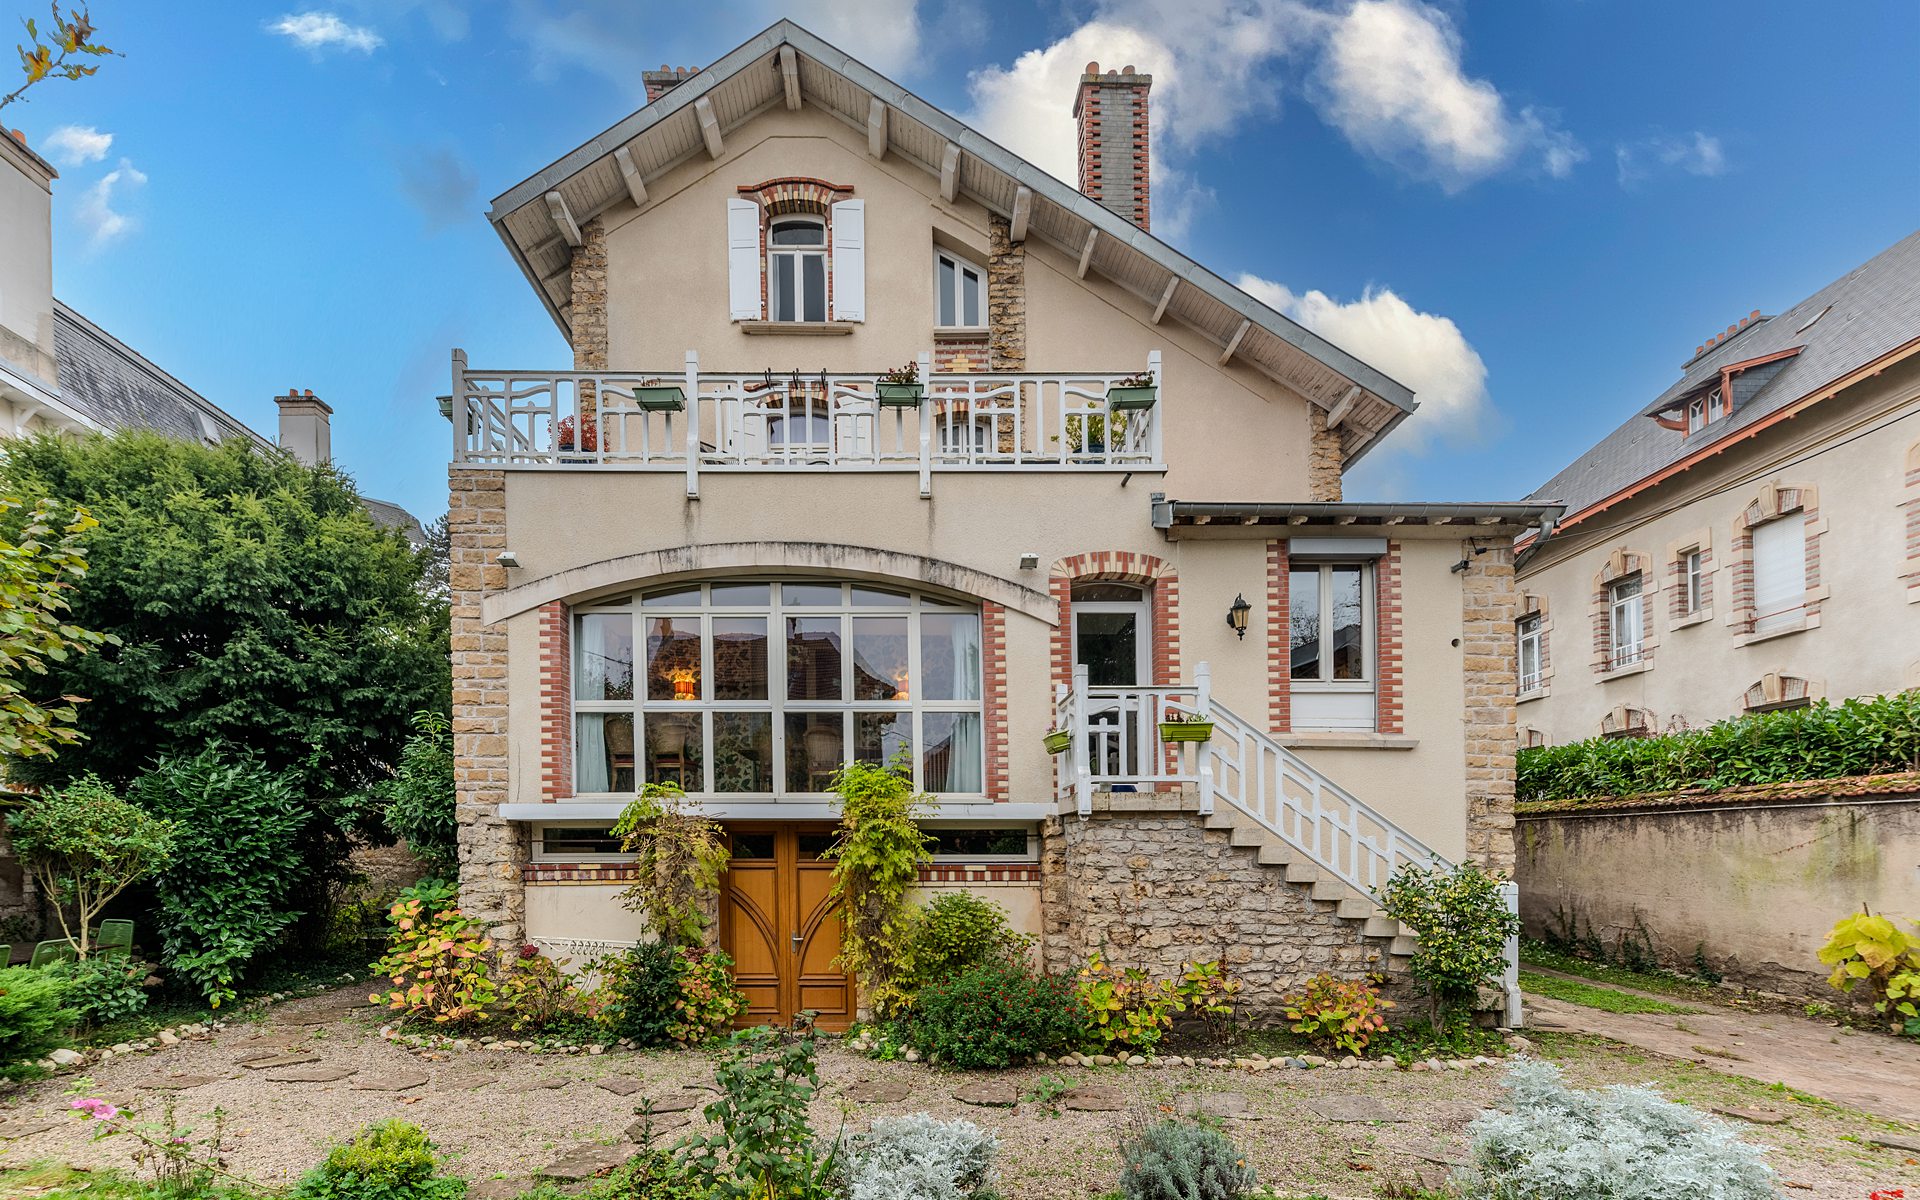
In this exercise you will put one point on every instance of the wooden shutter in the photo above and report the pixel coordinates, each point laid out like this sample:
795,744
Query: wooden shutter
743,260
850,260
1779,572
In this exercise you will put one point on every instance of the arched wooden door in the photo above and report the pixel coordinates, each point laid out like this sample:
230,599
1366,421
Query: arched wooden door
781,927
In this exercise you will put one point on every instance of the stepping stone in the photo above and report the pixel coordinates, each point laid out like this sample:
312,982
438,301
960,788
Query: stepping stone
878,1091
620,1085
20,1129
585,1162
311,1074
662,1123
403,1081
988,1093
538,1085
1212,1104
1755,1116
1353,1108
180,1083
674,1102
1094,1097
275,1061
1895,1142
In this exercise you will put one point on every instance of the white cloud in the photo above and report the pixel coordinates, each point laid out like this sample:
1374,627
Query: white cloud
96,212
884,34
73,145
1695,153
319,31
1423,350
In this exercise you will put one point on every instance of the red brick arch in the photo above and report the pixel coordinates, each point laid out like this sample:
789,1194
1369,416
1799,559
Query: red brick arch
1156,575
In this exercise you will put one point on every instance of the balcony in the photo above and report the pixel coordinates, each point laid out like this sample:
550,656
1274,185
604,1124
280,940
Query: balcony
697,421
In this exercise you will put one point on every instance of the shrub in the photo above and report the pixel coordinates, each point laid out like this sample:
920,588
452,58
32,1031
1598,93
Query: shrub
227,895
706,1002
1338,1015
956,931
1874,950
84,845
876,862
435,894
103,988
33,1019
1209,991
1179,1160
441,966
1559,1144
649,1175
417,802
1821,741
390,1160
1463,925
764,1147
680,856
640,987
535,994
1126,1009
38,571
997,1015
917,1157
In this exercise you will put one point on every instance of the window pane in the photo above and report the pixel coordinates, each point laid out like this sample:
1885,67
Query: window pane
603,657
1107,644
949,656
1106,591
878,597
943,288
809,594
742,594
753,845
950,761
673,658
780,288
980,842
1349,624
603,752
739,658
813,658
597,839
880,658
1303,622
799,233
879,737
673,749
686,597
743,752
815,750
812,847
813,269
970,298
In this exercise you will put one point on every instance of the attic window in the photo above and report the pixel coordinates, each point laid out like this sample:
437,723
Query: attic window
210,429
1815,319
1705,410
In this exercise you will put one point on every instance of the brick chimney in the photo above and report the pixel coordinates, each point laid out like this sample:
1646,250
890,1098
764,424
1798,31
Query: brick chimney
1110,111
660,82
306,427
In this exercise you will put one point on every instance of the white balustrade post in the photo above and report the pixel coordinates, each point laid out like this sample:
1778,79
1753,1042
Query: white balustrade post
693,424
461,418
1062,763
1159,407
1082,771
1203,751
926,424
1510,975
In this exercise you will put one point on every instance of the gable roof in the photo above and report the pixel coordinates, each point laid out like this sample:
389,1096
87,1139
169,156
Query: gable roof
1869,314
590,179
115,387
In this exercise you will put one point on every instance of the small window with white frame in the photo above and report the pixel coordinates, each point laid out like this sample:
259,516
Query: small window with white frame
1330,634
1626,629
959,292
984,843
797,268
1693,581
1529,634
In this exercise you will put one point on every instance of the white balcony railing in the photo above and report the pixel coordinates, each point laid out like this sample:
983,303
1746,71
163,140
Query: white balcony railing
696,421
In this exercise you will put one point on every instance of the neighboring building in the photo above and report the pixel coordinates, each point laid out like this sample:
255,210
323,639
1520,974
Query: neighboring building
717,552
1751,539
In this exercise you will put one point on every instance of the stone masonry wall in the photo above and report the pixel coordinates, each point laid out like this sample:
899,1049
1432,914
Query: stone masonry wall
587,312
1006,298
1158,889
1325,459
1490,602
492,851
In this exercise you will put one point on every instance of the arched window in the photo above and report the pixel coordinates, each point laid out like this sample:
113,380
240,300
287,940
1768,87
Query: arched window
797,268
765,687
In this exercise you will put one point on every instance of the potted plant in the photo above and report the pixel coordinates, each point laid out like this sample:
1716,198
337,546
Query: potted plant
1133,392
1185,727
901,387
659,397
589,438
1059,741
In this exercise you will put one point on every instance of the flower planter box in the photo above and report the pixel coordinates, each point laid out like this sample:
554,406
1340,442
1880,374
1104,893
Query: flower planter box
900,395
1123,399
666,397
1186,731
1059,741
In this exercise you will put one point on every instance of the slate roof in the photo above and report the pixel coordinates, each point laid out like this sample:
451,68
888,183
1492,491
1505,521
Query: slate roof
1872,310
118,388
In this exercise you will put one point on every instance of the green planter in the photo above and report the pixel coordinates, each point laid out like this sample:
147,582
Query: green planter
900,395
1123,399
1059,741
1186,731
664,397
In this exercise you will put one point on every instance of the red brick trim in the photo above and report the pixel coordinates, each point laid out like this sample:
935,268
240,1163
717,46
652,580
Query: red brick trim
1622,564
795,194
556,702
1776,502
1163,597
993,665
1389,687
564,872
1279,643
980,873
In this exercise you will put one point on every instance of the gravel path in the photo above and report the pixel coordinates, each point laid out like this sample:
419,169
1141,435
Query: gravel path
504,1115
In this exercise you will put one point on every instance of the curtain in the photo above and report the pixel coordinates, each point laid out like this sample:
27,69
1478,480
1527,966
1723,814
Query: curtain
963,758
590,754
966,659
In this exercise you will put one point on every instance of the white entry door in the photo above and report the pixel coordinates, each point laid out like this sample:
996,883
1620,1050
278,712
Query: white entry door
1113,640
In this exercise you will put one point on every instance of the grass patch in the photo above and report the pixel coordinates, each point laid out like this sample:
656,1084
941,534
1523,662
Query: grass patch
1667,983
57,1181
1589,996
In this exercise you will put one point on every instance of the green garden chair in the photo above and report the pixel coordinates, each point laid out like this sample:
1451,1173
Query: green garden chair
114,937
47,953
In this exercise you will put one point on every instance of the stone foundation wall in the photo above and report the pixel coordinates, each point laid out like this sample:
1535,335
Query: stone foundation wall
1158,889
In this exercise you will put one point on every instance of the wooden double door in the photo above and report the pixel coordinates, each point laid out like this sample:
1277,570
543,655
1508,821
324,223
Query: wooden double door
781,927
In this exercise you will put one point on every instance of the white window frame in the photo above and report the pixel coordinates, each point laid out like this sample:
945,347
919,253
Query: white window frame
799,254
1693,581
1626,612
541,854
1029,855
1369,650
1529,633
961,266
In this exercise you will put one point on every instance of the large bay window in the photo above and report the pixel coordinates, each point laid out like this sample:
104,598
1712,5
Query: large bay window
1330,617
766,688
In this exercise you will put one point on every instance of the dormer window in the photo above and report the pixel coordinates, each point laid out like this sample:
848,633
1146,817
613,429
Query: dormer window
1704,410
797,269
959,292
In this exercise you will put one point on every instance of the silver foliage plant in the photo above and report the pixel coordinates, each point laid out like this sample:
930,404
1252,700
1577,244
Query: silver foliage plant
1618,1143
917,1157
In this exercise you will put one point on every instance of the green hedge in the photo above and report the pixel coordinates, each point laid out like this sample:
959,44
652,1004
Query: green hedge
1823,741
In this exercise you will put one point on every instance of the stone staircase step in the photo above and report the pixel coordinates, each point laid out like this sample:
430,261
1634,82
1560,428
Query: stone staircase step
1381,926
1403,946
1356,908
1247,835
1302,872
1330,890
1279,854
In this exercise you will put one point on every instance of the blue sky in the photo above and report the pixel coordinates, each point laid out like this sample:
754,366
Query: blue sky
1530,212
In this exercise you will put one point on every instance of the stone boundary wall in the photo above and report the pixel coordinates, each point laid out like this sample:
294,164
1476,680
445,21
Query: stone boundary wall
1751,880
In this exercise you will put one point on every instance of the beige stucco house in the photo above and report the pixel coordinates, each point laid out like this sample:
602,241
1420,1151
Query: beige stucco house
718,550
1748,541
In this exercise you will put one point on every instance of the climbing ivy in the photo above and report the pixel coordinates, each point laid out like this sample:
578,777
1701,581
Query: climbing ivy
681,855
876,861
